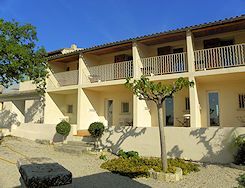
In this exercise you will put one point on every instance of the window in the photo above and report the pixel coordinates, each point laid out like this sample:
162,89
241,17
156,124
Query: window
241,98
70,109
125,107
187,103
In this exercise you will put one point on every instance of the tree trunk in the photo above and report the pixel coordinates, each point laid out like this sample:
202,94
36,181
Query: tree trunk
162,138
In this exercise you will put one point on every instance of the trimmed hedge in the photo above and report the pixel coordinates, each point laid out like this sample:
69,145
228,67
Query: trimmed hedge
63,128
139,167
96,129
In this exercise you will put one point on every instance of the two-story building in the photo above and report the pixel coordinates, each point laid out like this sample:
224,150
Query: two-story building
87,85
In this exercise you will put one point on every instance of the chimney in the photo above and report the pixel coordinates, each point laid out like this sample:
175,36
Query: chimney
73,46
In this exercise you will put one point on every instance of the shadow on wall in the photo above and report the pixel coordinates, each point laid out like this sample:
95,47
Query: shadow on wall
124,131
34,113
8,119
175,152
218,145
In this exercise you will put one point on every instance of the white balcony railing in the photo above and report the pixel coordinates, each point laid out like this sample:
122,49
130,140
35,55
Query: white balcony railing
220,57
107,72
67,78
165,64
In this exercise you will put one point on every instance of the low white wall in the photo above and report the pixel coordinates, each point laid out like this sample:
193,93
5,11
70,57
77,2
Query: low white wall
199,144
40,131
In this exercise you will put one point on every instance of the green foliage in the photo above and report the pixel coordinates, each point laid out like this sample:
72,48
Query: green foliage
63,128
186,167
103,157
240,140
145,89
241,181
128,154
139,167
20,57
239,157
96,129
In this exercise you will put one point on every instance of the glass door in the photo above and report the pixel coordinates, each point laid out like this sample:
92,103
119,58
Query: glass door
213,112
169,111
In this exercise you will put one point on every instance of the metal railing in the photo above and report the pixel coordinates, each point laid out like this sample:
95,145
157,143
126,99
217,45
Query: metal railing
220,57
67,78
107,72
165,64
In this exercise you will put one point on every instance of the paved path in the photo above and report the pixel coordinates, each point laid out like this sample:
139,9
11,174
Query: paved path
87,172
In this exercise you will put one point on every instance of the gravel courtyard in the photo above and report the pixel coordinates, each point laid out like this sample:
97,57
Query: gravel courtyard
87,172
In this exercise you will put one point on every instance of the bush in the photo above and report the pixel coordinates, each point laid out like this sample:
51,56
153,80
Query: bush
241,180
96,129
239,157
103,157
139,167
186,167
63,128
128,154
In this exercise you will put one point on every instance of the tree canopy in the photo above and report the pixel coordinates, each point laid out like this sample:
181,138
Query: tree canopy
20,58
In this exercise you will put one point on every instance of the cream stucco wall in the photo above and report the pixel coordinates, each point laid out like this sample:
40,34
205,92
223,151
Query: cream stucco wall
93,106
198,144
57,105
228,100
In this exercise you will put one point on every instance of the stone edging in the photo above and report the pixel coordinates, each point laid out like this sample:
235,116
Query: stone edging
168,177
239,167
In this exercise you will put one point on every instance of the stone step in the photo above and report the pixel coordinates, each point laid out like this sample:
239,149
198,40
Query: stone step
73,149
79,143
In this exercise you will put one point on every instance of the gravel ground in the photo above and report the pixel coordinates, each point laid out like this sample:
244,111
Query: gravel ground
87,172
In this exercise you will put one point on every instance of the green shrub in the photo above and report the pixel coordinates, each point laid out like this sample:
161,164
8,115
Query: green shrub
241,180
63,128
186,167
239,157
139,167
128,154
96,129
103,157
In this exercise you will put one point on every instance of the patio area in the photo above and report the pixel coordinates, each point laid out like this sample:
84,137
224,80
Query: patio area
87,172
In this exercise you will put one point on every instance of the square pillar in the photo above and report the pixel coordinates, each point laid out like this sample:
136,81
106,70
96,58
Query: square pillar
193,93
141,113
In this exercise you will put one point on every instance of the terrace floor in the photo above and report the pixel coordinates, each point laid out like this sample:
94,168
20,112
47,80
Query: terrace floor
87,172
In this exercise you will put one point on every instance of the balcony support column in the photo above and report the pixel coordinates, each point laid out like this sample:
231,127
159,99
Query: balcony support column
83,70
141,113
193,92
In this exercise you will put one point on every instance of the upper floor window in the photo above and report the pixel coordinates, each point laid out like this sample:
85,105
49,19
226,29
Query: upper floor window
241,98
216,42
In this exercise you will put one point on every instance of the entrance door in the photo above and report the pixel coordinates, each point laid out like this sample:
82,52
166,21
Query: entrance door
169,111
213,113
110,112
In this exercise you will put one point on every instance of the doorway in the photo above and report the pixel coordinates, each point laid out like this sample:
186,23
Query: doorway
109,113
169,111
213,109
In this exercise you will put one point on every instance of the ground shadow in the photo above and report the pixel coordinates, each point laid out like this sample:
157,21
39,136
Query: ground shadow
123,132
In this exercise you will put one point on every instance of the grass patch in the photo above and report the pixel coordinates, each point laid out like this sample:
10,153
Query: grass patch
139,166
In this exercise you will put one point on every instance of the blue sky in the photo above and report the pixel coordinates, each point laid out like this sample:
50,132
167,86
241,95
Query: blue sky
86,23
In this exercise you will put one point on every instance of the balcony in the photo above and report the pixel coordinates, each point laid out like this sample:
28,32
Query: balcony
67,78
109,72
220,57
165,64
